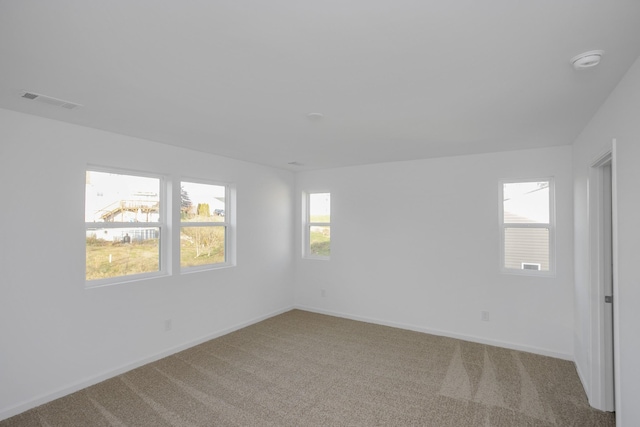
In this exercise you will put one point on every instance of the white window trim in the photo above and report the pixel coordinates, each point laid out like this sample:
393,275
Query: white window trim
164,255
551,226
306,252
169,225
229,230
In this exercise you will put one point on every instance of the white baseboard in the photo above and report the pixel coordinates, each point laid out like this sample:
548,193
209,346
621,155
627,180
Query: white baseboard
583,380
71,388
480,340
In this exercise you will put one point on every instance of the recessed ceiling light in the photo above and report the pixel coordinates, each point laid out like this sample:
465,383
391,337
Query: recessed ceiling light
587,59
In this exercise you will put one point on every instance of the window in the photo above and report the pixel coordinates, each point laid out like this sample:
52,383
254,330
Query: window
127,231
527,226
318,225
124,226
203,225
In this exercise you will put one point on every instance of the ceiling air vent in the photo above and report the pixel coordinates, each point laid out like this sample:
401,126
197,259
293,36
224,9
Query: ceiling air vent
531,266
50,100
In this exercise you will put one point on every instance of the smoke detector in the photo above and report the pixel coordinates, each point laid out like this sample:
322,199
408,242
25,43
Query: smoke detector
315,117
587,60
50,100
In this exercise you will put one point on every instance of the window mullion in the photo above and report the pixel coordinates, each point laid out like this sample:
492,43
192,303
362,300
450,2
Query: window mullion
203,224
527,225
123,224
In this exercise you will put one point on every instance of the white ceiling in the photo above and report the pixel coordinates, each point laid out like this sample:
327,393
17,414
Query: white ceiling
394,79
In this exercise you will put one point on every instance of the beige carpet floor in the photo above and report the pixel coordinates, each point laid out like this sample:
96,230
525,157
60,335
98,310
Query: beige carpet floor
307,369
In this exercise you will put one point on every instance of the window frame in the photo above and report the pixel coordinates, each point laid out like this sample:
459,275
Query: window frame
551,226
169,225
164,256
307,223
228,230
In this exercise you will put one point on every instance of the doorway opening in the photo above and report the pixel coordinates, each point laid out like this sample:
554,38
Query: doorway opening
602,282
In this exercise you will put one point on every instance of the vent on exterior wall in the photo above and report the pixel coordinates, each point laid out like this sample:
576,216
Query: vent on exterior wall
531,266
50,100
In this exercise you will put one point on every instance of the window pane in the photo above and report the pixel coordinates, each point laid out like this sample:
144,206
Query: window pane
526,202
320,207
113,197
202,202
113,252
319,240
526,248
202,245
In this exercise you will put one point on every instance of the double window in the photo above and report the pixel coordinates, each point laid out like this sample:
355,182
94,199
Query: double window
318,225
527,226
127,232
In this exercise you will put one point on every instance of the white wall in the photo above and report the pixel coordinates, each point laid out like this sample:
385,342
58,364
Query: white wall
618,118
55,335
416,244
430,264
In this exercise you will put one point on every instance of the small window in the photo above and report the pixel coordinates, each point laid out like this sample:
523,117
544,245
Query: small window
203,225
527,226
318,225
123,225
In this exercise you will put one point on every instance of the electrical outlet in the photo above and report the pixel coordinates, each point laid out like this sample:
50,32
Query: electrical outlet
168,325
484,316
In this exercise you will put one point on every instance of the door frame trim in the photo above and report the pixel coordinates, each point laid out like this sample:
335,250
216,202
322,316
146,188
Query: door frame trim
598,397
